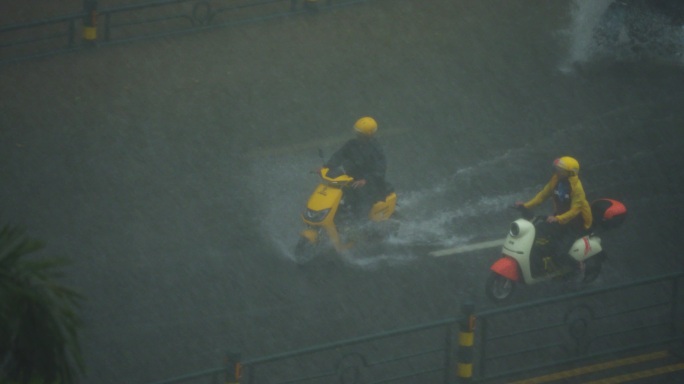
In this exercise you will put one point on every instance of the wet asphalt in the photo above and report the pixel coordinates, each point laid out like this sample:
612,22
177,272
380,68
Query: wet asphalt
173,171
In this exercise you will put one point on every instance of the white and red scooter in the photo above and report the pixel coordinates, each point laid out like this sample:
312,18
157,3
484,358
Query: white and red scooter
523,260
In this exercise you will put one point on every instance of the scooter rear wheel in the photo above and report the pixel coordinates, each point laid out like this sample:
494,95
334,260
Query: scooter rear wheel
499,288
305,251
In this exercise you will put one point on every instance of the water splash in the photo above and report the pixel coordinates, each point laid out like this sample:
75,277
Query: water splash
429,218
622,31
587,16
282,186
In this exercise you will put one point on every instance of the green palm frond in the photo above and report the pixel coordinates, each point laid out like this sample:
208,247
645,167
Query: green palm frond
14,245
39,321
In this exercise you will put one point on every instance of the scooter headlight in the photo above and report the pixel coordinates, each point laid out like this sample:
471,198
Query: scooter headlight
515,229
316,216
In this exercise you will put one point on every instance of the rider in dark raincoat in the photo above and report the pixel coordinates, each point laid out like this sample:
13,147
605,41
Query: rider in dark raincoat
363,159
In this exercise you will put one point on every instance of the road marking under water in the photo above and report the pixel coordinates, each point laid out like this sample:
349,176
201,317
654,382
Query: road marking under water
631,377
467,248
571,373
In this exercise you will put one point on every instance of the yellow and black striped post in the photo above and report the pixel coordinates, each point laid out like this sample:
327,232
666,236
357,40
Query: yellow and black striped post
90,21
233,368
466,339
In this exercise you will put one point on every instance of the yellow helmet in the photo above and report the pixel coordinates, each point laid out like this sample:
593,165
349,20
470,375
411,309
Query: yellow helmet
366,126
567,163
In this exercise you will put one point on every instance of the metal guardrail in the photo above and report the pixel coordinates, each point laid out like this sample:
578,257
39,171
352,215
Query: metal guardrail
93,26
39,38
492,344
428,362
582,326
380,358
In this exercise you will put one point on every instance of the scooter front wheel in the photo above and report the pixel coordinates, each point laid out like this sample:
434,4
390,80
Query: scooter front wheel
499,288
305,251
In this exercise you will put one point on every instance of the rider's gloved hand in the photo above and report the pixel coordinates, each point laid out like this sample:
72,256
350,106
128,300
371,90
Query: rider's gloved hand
359,183
552,219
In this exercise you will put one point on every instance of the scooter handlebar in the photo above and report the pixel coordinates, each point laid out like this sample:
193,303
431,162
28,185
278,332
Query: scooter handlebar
525,212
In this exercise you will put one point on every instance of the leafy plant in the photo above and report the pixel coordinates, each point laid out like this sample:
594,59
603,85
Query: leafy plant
39,322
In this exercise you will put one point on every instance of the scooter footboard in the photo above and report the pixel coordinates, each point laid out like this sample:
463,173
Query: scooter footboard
382,210
507,267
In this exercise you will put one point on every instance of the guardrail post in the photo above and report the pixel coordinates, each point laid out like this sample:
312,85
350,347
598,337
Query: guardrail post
466,339
233,368
90,21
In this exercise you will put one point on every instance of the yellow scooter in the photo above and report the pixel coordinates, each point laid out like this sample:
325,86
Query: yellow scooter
326,209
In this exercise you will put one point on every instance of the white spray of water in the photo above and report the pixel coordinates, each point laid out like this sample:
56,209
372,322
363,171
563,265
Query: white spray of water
427,227
283,186
621,31
429,218
586,16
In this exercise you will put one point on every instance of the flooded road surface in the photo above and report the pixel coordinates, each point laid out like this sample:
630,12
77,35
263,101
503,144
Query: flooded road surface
173,171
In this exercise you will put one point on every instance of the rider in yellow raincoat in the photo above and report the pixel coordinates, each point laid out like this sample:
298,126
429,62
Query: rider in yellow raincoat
571,208
569,201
